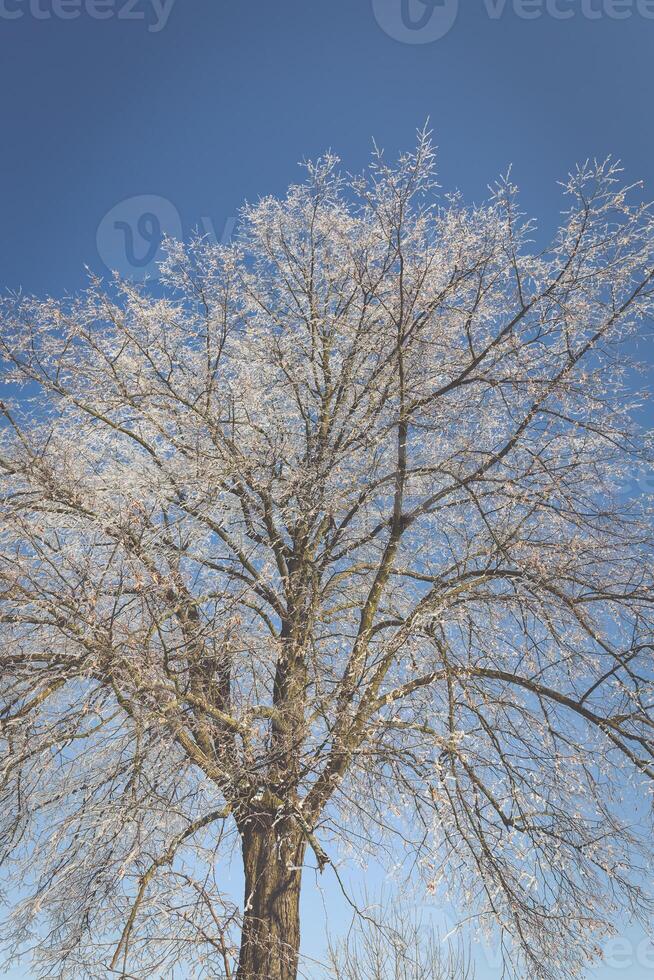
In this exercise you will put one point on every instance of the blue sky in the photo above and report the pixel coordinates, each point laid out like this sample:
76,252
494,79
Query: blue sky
124,117
223,101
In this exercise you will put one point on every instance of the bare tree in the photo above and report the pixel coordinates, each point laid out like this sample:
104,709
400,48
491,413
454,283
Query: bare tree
321,547
390,941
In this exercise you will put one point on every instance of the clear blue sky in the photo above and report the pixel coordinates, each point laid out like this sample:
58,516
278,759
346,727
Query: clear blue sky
190,106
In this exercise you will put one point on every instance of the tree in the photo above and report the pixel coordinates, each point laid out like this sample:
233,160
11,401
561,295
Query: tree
392,942
321,546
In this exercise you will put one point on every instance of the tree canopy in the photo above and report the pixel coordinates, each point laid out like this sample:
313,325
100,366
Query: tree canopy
320,544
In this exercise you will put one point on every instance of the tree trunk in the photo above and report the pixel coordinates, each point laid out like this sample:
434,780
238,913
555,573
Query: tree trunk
270,939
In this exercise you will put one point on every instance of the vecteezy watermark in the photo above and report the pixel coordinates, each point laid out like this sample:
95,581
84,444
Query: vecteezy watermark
416,21
153,13
425,21
130,236
621,953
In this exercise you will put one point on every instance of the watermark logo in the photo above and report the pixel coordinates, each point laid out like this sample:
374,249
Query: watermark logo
153,13
130,236
622,953
425,21
416,21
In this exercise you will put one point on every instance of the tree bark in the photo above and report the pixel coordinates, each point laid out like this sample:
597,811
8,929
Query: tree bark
270,938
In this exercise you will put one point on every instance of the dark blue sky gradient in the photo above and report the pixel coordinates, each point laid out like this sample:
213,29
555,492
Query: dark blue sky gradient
222,103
